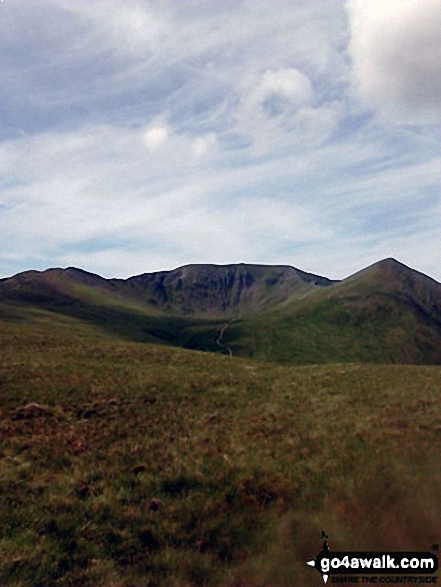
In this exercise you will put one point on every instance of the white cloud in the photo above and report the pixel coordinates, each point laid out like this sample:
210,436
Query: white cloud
156,136
171,149
395,49
275,112
202,145
130,25
315,125
288,84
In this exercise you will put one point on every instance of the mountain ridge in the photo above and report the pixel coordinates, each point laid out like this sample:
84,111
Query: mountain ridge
211,290
386,312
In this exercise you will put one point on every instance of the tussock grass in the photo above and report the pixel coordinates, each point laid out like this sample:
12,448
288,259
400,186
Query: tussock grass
148,465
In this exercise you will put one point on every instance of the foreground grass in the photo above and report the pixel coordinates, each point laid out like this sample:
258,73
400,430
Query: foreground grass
146,465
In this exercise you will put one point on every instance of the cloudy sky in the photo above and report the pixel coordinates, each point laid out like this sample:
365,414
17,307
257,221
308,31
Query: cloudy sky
140,135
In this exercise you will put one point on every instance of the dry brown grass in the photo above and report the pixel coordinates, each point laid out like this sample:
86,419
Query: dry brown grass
247,463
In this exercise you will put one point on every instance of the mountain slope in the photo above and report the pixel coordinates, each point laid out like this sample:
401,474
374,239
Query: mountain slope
384,313
224,290
213,291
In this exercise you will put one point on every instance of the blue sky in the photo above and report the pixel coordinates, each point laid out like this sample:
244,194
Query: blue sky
138,136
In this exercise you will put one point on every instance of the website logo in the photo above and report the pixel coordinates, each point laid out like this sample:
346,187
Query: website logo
357,564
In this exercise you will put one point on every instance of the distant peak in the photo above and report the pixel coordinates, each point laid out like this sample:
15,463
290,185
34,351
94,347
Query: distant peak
78,270
394,265
390,261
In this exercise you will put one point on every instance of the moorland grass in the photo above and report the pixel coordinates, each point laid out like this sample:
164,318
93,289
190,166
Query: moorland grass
148,465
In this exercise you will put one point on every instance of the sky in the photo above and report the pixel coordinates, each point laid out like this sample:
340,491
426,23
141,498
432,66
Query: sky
142,135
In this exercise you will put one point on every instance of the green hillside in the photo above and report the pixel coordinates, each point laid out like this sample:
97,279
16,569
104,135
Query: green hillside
126,464
387,313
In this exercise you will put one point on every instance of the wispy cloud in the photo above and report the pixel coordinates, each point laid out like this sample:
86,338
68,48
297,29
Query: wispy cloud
139,135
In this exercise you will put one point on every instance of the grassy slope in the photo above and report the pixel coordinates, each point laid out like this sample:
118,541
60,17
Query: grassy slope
92,307
249,461
384,314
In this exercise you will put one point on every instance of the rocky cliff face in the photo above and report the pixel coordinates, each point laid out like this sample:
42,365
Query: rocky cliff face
217,290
